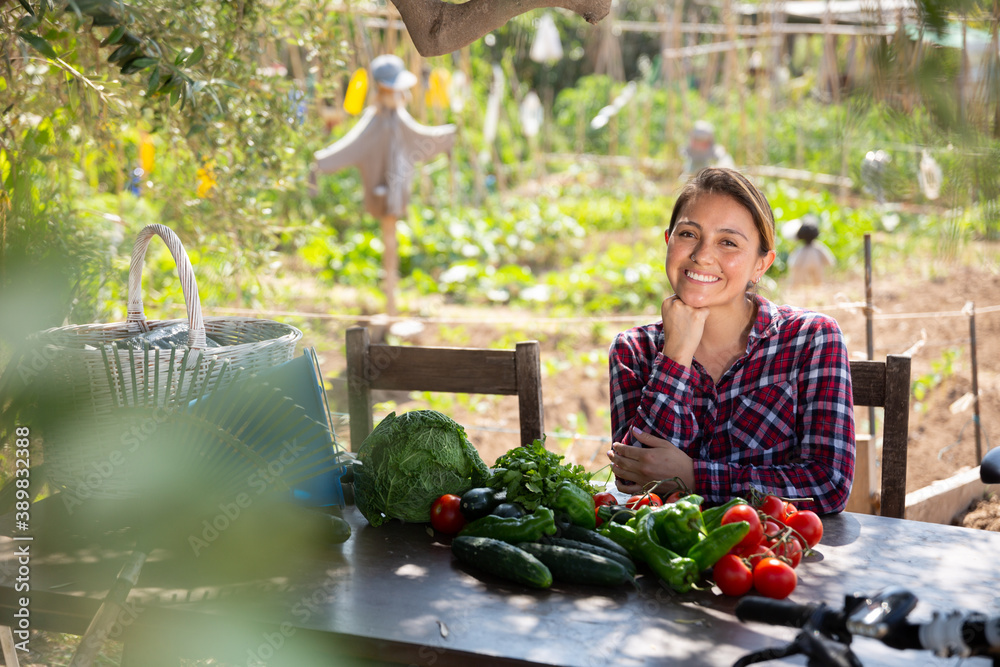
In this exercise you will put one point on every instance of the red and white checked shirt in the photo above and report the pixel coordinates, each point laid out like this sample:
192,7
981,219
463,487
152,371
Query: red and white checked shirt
780,421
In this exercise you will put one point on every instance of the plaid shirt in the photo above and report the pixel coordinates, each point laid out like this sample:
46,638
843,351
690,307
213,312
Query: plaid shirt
781,420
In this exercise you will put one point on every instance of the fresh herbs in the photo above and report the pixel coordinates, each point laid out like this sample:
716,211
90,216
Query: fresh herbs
531,474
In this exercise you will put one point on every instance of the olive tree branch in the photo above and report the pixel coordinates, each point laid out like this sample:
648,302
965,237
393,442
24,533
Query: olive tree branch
437,27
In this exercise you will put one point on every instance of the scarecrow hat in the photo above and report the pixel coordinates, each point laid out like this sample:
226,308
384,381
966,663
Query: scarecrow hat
703,130
390,72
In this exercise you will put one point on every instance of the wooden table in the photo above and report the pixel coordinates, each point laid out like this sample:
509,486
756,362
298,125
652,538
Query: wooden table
395,593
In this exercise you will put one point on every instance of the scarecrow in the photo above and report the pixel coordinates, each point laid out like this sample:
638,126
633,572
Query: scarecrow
702,150
385,145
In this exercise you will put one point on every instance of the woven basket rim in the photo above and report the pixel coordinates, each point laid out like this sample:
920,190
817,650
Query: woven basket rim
291,335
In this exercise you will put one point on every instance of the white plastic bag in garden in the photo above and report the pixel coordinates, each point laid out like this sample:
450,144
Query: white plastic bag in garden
458,92
532,114
493,106
546,47
929,175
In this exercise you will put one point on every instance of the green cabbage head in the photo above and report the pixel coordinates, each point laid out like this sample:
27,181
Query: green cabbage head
411,460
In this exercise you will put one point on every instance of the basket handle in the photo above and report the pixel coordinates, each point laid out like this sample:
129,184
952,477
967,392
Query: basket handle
136,315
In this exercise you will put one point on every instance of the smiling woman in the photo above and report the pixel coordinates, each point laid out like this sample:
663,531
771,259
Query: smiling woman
729,392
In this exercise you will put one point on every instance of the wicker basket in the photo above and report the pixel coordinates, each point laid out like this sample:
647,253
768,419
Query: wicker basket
97,377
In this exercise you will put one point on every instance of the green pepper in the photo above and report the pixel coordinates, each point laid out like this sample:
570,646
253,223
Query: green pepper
624,536
679,572
718,543
639,513
527,528
679,526
576,503
713,515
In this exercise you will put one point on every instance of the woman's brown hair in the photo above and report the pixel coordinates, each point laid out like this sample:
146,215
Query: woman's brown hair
729,182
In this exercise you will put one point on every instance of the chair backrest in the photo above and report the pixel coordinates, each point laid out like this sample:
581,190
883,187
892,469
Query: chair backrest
447,369
886,384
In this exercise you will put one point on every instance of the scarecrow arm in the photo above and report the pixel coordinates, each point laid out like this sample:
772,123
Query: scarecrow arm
438,27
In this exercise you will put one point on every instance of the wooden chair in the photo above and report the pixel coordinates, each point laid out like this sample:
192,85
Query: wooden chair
448,369
886,384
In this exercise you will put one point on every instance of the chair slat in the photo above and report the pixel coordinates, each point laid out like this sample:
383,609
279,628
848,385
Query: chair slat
449,369
887,385
445,369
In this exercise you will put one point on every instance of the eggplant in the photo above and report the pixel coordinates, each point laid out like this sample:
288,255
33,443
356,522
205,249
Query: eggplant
478,502
509,510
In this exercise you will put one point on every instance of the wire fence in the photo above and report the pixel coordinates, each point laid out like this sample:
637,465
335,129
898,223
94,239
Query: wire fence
536,320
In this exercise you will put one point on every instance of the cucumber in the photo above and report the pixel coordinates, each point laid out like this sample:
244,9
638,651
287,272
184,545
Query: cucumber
502,560
578,567
581,534
626,561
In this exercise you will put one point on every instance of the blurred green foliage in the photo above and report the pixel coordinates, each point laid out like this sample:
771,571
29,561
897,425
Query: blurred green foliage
93,150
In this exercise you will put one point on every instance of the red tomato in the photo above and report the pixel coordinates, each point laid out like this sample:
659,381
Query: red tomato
651,499
808,525
773,506
673,498
732,575
446,514
604,498
754,554
774,578
748,514
789,548
772,531
783,542
790,509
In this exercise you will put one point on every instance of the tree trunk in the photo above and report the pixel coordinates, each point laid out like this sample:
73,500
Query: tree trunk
438,27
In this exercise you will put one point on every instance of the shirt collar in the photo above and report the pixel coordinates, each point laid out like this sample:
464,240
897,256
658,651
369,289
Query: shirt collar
766,324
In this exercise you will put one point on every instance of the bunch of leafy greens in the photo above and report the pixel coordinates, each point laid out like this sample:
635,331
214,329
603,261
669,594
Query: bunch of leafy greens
411,460
531,474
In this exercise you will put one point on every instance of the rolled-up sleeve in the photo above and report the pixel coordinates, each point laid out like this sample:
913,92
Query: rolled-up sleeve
649,390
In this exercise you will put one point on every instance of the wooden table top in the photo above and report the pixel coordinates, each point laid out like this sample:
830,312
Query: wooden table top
396,593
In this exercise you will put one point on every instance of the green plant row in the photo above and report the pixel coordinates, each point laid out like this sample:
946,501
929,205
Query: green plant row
604,258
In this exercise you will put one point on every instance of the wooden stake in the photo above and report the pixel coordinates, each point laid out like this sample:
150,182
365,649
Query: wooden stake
390,39
665,68
298,67
830,57
680,72
613,135
390,263
869,328
971,308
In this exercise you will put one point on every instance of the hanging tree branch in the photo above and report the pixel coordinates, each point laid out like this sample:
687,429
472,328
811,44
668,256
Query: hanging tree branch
437,27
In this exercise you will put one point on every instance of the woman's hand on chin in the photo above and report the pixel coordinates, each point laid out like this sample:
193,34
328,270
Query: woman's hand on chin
683,327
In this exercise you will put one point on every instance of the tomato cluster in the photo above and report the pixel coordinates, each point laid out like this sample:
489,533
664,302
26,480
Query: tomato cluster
765,560
634,502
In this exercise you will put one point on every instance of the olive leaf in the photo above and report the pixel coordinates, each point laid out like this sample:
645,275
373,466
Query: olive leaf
114,36
39,44
133,66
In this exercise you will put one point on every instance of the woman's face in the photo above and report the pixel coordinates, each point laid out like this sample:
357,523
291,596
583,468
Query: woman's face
713,252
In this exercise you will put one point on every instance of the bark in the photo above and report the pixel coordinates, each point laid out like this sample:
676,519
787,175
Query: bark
437,27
